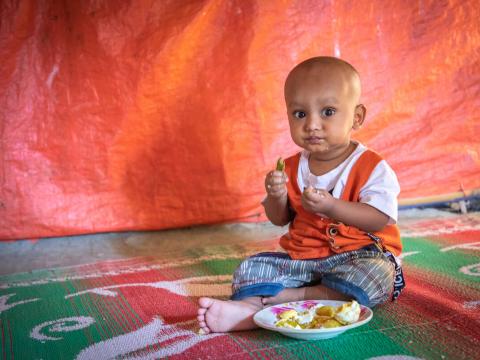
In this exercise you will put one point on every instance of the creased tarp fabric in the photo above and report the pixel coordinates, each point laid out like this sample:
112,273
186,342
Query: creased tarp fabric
138,115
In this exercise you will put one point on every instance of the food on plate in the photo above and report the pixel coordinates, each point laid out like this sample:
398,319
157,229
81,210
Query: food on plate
287,314
280,164
348,313
326,311
319,316
331,323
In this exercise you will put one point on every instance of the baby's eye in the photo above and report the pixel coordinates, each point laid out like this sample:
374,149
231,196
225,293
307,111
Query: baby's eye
299,114
328,112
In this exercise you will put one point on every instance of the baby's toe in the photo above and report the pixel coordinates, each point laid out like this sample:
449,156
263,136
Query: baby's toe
201,311
203,331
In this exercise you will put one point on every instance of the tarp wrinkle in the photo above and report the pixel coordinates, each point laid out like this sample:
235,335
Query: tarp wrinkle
158,114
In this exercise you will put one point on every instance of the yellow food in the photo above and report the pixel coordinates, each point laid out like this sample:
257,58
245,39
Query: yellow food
326,311
288,314
288,323
287,319
280,164
320,317
348,313
331,323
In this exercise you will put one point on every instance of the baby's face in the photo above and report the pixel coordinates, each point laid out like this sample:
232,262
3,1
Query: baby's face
322,109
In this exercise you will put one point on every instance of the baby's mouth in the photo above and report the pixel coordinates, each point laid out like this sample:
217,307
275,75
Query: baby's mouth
315,140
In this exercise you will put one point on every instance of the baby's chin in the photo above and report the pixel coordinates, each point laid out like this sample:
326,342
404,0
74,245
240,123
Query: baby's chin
320,147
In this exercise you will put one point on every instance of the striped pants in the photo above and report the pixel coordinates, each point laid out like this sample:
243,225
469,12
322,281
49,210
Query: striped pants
365,275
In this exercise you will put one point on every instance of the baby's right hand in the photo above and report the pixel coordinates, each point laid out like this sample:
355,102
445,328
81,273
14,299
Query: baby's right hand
275,184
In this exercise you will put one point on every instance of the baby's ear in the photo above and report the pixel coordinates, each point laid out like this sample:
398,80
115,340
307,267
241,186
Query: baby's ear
359,116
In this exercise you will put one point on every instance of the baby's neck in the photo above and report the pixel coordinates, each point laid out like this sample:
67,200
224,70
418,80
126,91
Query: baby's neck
320,165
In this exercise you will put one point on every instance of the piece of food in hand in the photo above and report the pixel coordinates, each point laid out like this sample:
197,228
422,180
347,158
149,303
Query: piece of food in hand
280,164
348,313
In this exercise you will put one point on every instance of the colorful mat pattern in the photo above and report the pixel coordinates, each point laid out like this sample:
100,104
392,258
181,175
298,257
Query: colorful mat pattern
145,308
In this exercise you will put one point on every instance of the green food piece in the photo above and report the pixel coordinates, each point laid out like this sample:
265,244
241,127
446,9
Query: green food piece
280,164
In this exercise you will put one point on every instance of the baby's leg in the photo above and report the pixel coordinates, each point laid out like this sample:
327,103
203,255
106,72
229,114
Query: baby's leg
317,292
352,275
227,315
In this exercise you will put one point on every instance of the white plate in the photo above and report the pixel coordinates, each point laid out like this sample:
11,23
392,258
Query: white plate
266,319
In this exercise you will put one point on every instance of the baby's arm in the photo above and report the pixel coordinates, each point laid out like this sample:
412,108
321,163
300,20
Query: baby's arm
360,215
276,202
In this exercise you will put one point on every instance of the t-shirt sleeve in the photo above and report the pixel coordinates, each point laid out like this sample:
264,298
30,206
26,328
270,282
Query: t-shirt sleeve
381,191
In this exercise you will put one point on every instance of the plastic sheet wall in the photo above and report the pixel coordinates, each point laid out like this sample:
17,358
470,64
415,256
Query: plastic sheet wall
138,115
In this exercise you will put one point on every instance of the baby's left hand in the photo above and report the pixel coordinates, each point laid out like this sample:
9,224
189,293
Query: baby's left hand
317,200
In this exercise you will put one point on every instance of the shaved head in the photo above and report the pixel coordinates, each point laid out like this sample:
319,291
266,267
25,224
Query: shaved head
325,68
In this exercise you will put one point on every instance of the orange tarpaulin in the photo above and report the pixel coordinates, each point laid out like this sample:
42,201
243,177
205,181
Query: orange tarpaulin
137,115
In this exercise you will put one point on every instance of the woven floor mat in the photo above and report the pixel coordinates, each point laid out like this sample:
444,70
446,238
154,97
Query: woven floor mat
145,308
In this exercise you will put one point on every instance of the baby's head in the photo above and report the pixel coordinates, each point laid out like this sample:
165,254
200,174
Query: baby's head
322,95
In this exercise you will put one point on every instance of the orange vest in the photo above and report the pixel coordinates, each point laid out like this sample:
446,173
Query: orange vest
310,236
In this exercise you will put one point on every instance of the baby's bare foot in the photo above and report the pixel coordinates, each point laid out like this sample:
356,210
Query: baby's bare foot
226,315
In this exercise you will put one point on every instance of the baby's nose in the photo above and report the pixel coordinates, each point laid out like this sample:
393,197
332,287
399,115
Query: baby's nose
313,122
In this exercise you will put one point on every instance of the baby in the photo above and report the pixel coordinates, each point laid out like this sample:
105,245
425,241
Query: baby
340,200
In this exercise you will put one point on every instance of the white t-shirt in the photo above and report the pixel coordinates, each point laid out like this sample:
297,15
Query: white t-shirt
380,191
